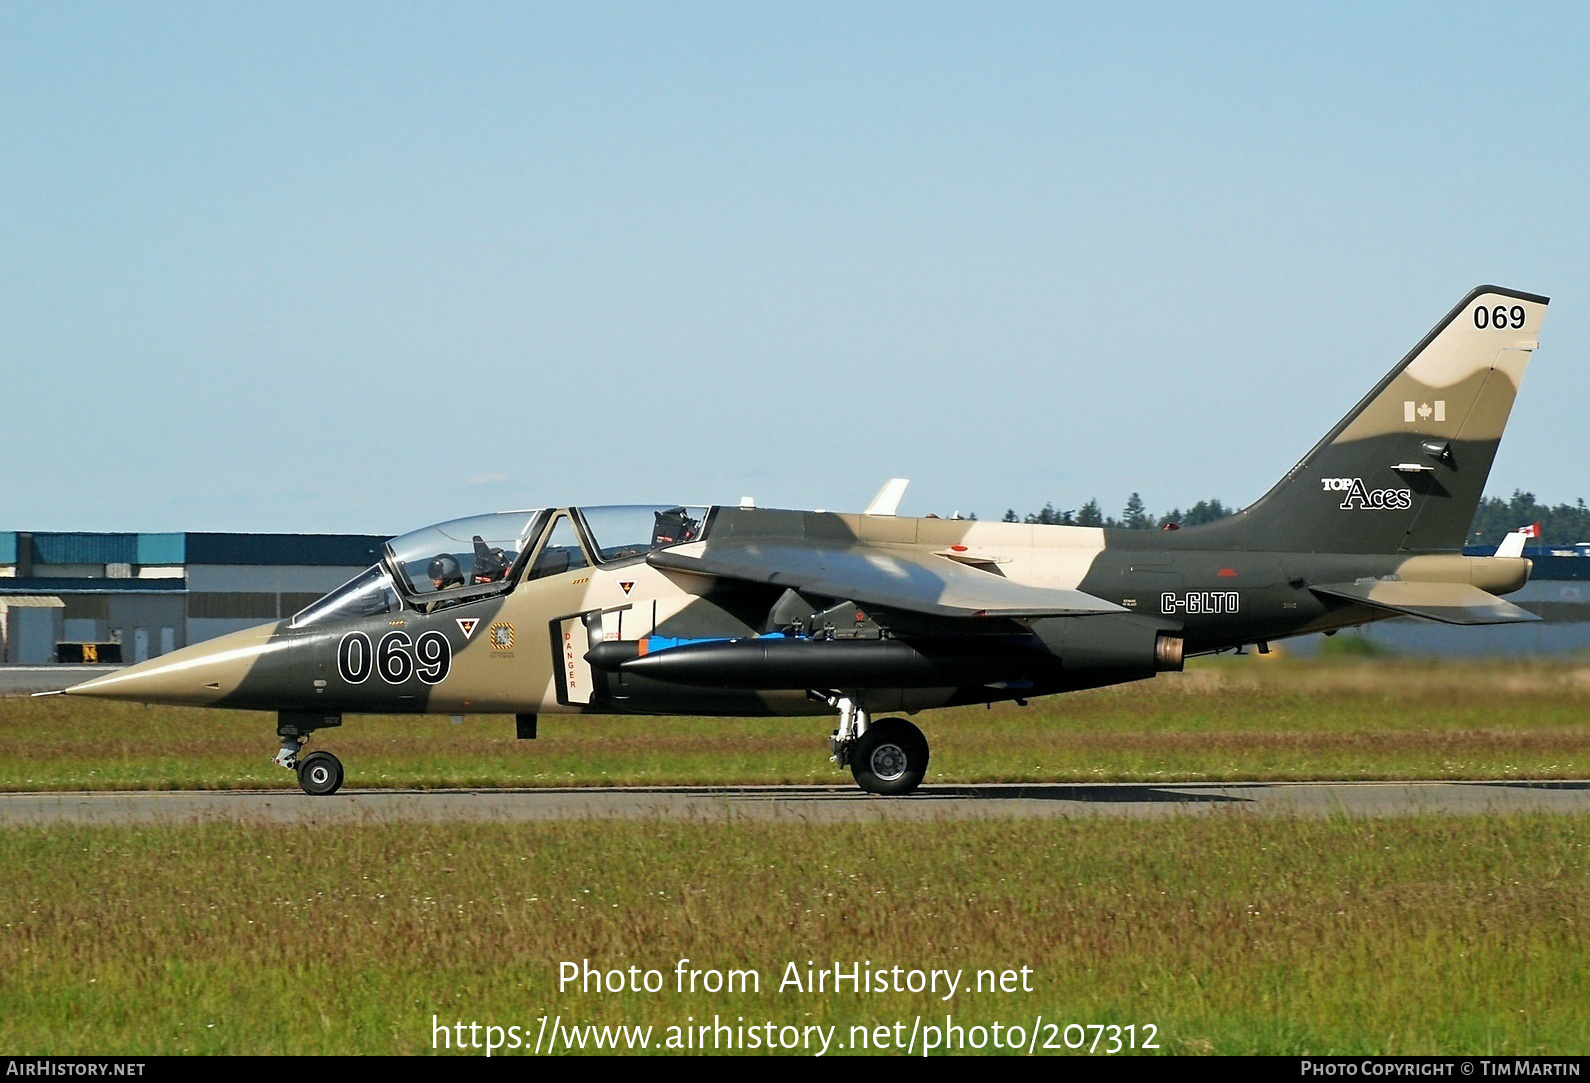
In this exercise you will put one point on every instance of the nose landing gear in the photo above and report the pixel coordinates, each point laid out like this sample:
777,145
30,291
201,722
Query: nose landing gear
319,773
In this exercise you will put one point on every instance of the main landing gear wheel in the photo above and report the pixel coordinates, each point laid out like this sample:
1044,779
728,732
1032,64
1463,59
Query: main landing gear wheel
890,758
320,774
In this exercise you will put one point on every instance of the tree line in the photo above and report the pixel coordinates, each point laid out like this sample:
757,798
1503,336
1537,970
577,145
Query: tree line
1133,517
1560,524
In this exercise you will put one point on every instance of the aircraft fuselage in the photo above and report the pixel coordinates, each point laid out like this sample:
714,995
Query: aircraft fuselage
525,651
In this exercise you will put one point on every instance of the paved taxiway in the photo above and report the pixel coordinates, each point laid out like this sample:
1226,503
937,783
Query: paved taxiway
25,680
816,804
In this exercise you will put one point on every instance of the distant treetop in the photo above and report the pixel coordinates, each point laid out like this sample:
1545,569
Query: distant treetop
1134,516
1560,524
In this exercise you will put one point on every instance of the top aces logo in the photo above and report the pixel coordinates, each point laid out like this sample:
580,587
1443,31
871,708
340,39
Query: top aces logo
1361,497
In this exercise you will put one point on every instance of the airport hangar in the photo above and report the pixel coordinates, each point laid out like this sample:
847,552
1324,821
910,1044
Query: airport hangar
109,598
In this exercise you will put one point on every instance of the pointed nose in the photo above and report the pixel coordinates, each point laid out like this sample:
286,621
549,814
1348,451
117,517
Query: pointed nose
195,676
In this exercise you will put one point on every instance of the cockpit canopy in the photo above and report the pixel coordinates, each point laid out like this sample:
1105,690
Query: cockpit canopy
620,531
461,559
458,557
466,559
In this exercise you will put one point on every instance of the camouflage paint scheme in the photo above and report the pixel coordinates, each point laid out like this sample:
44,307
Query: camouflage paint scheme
1367,526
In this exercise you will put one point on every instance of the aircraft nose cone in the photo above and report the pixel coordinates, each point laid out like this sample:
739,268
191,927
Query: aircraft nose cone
194,676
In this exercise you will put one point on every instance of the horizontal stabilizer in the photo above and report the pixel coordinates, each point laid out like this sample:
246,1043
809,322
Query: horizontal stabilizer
1450,603
902,579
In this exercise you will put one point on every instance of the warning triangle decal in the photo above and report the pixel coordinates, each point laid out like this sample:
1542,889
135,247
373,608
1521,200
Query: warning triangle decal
626,585
467,625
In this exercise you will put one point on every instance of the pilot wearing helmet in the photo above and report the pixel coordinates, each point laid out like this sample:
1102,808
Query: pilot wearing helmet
445,573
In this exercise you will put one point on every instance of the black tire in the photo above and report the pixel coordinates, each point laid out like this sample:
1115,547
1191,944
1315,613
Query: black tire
891,758
320,774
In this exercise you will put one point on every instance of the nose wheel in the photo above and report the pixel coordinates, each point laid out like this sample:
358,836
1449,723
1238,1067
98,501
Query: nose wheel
320,774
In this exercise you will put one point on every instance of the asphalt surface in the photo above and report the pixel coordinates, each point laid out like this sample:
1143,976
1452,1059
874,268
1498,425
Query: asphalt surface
814,804
25,680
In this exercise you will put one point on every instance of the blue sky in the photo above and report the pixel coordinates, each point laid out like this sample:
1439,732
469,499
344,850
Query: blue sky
364,267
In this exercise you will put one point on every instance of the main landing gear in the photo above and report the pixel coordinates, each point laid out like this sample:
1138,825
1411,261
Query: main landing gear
888,757
319,773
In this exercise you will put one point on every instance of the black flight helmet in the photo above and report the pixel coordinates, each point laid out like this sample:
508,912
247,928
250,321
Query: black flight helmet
445,572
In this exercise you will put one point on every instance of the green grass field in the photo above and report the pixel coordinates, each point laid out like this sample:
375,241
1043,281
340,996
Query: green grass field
1228,934
1237,718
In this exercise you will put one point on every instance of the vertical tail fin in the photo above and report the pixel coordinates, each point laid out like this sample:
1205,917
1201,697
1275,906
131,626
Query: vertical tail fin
1405,470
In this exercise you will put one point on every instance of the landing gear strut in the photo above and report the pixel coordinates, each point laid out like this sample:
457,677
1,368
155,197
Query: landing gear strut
319,773
887,757
853,722
291,746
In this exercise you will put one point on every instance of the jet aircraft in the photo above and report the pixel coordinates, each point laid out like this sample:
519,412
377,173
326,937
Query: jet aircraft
677,609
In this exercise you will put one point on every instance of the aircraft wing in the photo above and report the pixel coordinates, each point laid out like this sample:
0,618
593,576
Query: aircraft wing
902,579
1450,603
